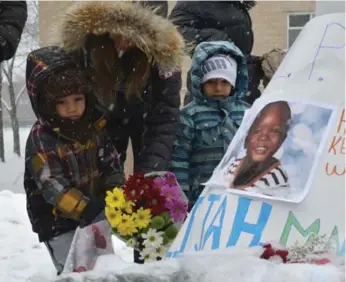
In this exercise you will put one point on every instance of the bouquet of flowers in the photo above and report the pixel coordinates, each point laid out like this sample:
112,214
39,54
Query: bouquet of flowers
147,212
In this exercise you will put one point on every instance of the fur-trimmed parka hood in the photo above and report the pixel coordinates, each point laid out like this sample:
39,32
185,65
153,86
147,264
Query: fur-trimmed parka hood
156,36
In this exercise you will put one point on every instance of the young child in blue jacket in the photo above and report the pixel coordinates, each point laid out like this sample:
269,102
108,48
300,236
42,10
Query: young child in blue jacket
208,124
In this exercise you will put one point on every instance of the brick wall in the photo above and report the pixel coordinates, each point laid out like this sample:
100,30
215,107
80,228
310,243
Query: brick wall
270,23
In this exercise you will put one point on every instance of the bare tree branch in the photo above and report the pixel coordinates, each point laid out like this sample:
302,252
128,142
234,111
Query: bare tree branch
20,94
7,106
5,72
11,67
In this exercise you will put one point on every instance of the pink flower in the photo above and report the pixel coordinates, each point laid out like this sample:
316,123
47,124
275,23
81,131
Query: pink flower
177,209
159,182
171,179
170,192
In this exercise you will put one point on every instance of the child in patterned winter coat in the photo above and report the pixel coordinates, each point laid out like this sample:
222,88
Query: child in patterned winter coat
70,162
259,171
208,124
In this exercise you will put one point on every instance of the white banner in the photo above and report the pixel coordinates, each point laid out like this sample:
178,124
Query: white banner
283,176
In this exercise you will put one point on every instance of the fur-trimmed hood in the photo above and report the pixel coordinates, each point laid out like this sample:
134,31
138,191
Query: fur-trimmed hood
156,36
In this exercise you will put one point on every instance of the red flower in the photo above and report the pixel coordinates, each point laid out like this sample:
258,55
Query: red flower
134,187
147,185
132,193
156,203
145,192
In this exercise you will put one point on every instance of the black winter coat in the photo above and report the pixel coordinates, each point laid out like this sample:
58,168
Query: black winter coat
150,121
13,15
200,21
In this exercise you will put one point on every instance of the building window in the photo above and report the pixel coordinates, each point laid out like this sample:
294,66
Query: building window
296,22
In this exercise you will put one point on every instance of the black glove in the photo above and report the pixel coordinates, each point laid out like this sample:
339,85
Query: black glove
91,211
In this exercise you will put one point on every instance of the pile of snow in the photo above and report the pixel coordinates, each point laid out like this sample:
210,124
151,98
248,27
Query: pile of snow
12,171
22,257
231,265
21,254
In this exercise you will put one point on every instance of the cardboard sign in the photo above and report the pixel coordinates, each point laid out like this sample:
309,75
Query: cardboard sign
296,132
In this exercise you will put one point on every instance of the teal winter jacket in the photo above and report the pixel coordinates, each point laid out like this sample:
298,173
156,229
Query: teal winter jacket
207,125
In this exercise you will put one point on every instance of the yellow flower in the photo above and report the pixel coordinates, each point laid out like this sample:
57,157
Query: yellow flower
126,226
128,206
115,199
127,229
142,217
113,216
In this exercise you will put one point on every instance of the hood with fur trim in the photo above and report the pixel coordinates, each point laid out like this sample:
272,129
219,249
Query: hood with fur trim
156,36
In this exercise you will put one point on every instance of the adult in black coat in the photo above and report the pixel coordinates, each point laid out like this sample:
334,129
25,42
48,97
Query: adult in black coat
134,58
13,15
200,21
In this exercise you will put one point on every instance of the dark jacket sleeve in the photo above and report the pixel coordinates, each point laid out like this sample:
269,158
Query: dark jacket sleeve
13,15
161,122
200,21
111,171
255,74
188,20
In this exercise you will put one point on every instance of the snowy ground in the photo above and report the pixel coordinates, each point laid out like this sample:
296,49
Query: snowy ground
21,255
11,173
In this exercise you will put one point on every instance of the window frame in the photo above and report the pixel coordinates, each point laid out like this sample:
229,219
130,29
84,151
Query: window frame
311,15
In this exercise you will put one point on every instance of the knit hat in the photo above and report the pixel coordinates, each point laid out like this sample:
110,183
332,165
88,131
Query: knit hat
61,84
220,66
67,82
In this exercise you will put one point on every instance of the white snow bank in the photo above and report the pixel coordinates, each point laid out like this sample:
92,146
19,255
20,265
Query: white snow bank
22,257
233,265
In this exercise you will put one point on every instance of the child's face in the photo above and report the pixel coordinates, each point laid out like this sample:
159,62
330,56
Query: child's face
217,88
267,134
71,107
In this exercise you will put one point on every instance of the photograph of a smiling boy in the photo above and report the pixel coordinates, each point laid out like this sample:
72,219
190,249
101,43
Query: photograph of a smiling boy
259,169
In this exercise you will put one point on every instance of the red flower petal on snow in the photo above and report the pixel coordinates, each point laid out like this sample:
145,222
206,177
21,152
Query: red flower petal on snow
322,261
283,254
269,252
79,269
